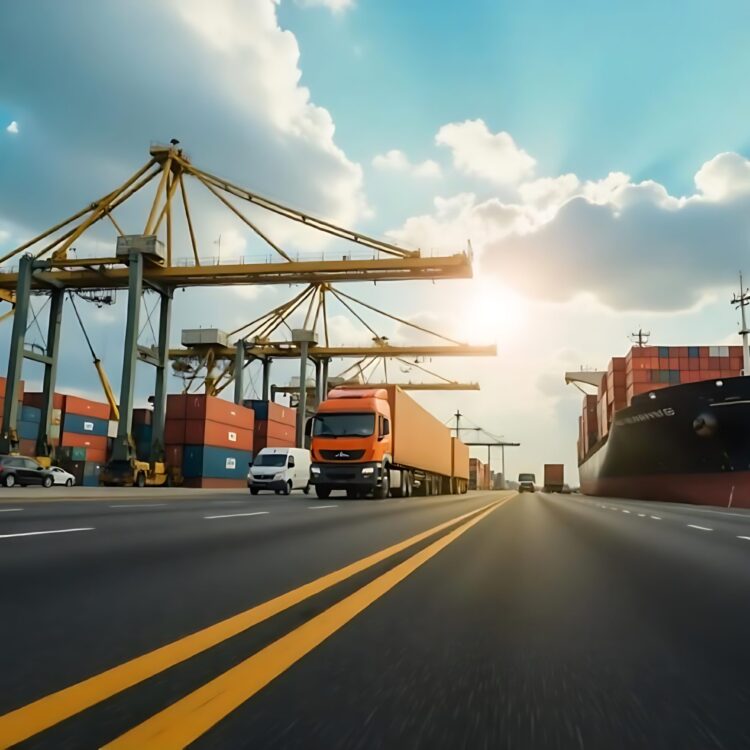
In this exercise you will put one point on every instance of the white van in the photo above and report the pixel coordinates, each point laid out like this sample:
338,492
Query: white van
280,469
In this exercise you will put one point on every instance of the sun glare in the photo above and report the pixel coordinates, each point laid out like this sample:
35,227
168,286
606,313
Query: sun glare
492,313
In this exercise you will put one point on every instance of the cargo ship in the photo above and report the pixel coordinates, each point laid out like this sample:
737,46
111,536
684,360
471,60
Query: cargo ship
668,424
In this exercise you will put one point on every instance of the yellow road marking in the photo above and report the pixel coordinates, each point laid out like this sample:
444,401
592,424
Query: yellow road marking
45,712
187,719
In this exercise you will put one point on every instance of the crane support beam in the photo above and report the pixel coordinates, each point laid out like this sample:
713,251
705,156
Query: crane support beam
330,352
9,434
44,441
160,386
404,386
108,273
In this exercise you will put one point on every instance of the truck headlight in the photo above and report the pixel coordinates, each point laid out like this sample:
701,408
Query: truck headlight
368,470
315,470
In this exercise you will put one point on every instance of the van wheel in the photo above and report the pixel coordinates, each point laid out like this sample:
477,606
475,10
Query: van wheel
287,488
322,492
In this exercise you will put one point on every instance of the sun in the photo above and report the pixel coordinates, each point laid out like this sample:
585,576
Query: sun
492,312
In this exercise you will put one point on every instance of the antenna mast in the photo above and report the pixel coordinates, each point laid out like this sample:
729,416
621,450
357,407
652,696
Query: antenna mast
641,337
741,300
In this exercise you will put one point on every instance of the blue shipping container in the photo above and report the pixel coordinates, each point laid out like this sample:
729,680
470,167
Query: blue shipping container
200,461
30,414
28,430
259,407
85,425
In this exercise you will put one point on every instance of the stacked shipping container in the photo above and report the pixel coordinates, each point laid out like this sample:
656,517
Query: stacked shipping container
479,475
646,369
210,439
275,425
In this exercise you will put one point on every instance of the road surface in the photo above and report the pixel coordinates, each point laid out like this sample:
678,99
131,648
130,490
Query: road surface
484,621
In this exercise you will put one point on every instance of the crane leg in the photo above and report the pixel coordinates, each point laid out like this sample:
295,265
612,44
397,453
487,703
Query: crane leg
160,388
44,442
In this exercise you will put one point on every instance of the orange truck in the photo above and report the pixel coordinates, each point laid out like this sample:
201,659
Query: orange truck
554,477
380,442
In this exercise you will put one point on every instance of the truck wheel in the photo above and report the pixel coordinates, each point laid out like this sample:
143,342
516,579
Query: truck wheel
382,491
322,492
409,488
140,480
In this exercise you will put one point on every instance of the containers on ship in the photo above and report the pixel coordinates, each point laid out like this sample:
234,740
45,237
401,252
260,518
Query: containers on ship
459,466
479,475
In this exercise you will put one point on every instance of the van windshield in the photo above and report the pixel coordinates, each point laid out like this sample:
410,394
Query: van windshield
344,425
270,459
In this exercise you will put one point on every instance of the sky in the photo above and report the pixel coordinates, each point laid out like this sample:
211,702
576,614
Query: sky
594,154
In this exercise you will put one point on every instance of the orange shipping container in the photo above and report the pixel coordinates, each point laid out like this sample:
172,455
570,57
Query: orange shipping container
277,431
198,432
74,440
3,385
263,441
460,463
86,408
215,484
214,409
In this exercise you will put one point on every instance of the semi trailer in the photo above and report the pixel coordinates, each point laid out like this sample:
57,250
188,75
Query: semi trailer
554,477
380,442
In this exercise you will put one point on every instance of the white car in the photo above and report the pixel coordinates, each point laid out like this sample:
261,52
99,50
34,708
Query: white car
60,476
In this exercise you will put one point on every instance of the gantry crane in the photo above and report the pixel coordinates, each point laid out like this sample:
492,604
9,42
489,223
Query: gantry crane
211,361
150,261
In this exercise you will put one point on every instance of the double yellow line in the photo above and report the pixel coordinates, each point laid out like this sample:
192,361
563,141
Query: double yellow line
190,717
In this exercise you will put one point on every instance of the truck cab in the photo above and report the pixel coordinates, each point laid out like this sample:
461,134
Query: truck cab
351,443
527,482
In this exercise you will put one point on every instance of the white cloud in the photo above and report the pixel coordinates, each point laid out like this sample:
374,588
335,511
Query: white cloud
397,161
633,246
336,6
12,128
480,153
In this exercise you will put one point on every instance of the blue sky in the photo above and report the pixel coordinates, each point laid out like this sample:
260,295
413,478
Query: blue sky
593,152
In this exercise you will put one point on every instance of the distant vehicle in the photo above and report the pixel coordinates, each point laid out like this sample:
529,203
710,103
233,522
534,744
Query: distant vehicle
526,482
60,476
23,470
554,476
566,489
281,470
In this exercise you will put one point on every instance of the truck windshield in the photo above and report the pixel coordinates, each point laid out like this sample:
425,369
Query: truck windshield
344,425
270,459
526,478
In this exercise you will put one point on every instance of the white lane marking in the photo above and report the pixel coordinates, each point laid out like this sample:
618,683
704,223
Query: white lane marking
51,531
238,515
718,512
320,507
10,510
140,505
641,515
700,528
747,538
656,518
626,511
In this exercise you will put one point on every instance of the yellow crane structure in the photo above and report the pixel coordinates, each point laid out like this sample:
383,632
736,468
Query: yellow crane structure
211,363
151,260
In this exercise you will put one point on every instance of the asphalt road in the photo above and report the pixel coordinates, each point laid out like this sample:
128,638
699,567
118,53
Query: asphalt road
484,621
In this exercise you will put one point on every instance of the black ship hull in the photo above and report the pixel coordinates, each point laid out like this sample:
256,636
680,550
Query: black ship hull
688,443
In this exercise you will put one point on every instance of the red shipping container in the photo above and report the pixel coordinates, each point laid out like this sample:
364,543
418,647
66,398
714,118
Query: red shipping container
703,362
642,376
694,364
198,432
173,455
74,440
682,351
684,364
711,374
176,405
735,351
27,447
174,432
37,399
736,363
714,363
703,351
674,363
96,454
663,363
142,416
86,408
724,363
217,410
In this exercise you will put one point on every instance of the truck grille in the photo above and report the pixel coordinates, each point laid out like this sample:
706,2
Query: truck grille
342,455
